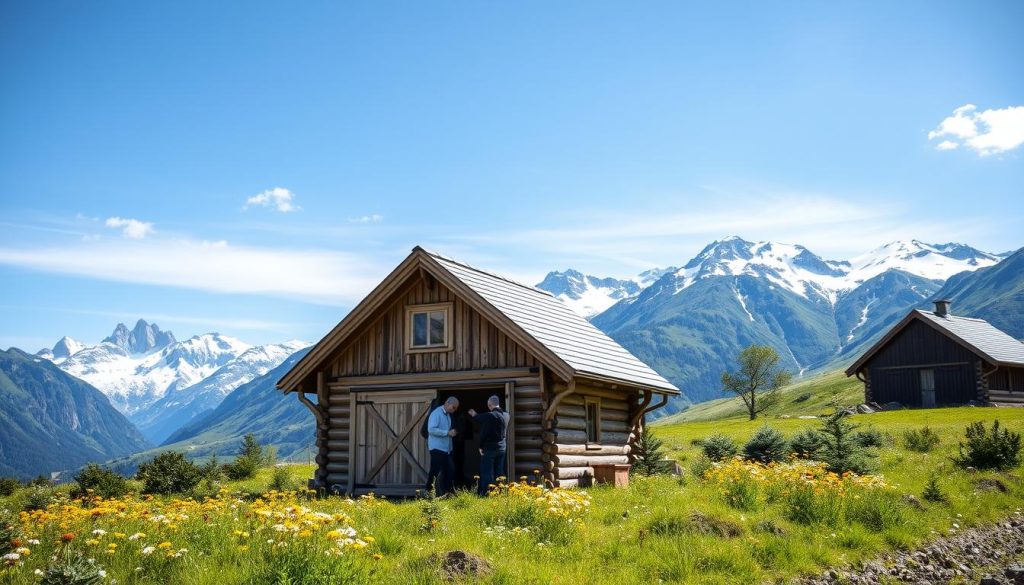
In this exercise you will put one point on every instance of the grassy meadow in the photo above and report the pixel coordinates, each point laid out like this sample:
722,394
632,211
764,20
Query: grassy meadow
735,523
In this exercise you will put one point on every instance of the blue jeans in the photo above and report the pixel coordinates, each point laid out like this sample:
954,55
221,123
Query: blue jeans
441,464
492,466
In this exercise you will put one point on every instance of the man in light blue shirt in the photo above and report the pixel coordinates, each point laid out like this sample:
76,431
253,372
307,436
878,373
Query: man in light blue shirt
439,441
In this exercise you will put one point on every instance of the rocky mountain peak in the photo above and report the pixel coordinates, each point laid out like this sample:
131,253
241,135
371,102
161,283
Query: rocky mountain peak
142,338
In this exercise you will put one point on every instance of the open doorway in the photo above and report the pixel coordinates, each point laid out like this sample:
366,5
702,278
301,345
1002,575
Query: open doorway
466,445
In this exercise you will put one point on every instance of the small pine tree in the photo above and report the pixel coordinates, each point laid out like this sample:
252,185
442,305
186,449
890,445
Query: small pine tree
250,457
649,456
932,491
766,445
251,448
841,450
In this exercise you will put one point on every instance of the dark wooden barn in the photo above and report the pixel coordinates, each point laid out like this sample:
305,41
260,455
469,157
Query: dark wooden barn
436,328
934,358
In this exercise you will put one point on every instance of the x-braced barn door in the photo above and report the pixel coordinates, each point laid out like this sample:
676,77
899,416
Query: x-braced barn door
391,455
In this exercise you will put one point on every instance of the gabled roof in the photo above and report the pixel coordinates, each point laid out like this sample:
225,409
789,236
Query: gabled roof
977,335
561,339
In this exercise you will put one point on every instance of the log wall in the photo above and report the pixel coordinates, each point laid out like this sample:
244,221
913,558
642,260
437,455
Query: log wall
568,458
336,449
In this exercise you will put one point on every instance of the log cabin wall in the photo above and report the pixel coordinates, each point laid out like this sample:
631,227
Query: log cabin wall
568,457
1005,385
335,447
380,347
895,370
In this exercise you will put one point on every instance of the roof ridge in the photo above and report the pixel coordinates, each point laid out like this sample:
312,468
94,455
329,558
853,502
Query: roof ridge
961,317
482,271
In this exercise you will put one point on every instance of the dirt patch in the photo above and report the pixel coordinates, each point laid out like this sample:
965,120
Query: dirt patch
457,564
988,484
710,526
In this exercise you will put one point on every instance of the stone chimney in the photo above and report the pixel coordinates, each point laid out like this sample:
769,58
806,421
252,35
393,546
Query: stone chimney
942,308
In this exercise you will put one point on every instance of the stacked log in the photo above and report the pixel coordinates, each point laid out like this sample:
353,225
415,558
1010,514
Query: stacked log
527,414
334,445
569,460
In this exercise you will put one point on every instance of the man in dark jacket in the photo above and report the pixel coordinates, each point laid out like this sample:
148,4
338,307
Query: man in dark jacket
492,443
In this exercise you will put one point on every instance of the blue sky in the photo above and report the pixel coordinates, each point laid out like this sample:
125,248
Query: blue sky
524,137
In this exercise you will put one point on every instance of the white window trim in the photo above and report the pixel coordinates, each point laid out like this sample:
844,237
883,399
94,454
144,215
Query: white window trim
410,310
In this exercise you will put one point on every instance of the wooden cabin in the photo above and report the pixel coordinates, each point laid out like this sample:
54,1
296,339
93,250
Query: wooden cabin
435,328
933,358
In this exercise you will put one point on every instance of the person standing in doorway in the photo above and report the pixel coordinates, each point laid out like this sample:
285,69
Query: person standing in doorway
439,440
493,425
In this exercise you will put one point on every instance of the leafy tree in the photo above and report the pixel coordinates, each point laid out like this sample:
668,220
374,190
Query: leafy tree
100,481
841,448
758,379
169,473
649,455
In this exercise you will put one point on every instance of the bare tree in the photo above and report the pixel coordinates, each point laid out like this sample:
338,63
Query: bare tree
758,379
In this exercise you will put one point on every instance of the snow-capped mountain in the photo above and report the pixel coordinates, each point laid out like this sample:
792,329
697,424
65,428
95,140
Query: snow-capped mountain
690,322
62,350
182,405
160,383
585,294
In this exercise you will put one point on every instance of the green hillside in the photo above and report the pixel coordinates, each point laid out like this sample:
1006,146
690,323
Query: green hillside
807,397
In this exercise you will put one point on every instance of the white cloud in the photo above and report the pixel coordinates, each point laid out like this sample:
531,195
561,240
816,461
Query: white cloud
278,197
987,132
315,275
374,218
132,229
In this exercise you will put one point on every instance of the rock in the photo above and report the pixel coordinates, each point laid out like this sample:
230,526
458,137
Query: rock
892,406
865,409
457,564
912,500
989,580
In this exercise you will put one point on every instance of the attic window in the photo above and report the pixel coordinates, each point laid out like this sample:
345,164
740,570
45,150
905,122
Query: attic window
428,327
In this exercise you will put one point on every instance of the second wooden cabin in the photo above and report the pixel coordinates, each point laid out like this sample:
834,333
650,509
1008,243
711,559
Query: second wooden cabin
435,328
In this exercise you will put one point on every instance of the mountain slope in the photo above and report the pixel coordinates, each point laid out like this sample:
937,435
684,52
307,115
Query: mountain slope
256,407
995,294
52,421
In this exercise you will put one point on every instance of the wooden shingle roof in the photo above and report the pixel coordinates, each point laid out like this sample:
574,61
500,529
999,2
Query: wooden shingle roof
560,338
979,336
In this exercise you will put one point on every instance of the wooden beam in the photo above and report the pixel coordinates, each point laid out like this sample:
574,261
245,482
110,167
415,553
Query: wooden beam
498,375
553,407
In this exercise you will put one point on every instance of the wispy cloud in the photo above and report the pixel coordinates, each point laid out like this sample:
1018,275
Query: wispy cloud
314,275
132,229
374,218
986,132
167,319
279,198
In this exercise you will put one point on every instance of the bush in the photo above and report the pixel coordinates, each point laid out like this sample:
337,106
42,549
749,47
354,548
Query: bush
806,443
870,438
999,449
921,440
840,450
718,447
8,485
99,481
168,473
72,570
766,445
8,533
649,455
250,458
38,498
700,466
41,481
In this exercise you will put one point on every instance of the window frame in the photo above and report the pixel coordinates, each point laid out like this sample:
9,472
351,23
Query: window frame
411,310
594,401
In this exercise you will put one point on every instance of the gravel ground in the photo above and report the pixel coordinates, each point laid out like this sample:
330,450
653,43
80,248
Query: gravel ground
988,555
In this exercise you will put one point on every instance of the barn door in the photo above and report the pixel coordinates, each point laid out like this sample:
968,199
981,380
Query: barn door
391,455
